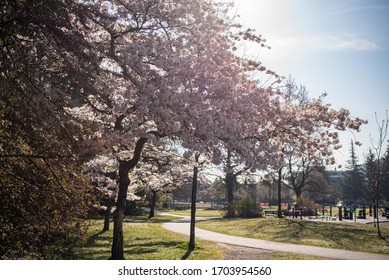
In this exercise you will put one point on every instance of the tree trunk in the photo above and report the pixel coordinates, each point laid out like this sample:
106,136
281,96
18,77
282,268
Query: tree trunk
107,216
192,244
124,182
270,194
229,180
152,204
279,185
377,205
125,165
298,198
230,194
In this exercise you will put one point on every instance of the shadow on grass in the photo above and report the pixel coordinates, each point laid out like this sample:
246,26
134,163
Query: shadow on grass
144,241
149,248
187,254
142,251
143,219
384,238
289,231
92,239
93,255
296,230
333,235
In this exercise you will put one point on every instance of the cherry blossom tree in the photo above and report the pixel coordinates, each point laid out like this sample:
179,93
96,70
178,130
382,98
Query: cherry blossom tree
124,72
102,173
161,170
153,186
169,69
306,129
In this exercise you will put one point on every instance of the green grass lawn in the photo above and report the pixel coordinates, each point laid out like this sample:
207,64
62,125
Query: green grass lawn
290,256
199,212
355,237
144,240
147,240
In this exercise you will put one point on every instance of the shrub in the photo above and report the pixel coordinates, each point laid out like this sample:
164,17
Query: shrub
304,201
245,208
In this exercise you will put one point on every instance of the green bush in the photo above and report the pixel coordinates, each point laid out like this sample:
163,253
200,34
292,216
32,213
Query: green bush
244,208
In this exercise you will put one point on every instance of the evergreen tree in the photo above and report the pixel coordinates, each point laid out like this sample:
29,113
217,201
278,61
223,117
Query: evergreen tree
370,171
353,186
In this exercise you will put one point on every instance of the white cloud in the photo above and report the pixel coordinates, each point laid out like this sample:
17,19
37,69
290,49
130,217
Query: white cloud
362,8
353,43
299,44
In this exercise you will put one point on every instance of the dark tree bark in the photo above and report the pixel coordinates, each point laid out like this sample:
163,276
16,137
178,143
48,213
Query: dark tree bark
107,216
192,243
279,185
230,194
125,166
229,180
153,203
298,198
379,234
299,179
231,183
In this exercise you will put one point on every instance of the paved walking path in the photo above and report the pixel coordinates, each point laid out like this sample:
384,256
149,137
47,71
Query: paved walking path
182,226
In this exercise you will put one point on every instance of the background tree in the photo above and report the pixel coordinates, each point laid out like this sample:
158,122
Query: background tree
319,187
304,176
42,197
231,168
353,183
45,65
213,191
162,169
385,174
370,173
154,186
305,131
379,154
276,176
268,189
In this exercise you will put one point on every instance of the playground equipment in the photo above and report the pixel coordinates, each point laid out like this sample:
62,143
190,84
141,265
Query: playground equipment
385,212
340,212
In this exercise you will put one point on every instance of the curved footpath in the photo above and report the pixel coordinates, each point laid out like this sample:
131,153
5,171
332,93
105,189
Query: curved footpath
182,226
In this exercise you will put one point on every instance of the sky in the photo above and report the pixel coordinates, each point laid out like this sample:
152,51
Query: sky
332,46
